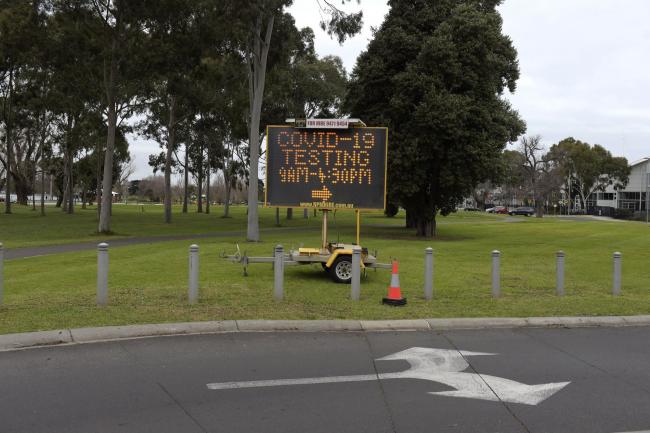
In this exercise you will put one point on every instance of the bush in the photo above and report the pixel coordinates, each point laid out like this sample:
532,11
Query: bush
623,214
391,210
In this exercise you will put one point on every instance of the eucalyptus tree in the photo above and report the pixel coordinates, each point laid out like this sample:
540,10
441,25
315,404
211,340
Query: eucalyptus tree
21,36
255,29
31,134
589,168
85,168
179,34
74,96
118,28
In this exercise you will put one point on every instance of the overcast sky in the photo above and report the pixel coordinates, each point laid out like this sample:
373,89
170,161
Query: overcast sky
584,68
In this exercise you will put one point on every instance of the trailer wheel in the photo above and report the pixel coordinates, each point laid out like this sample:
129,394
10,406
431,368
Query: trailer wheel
341,270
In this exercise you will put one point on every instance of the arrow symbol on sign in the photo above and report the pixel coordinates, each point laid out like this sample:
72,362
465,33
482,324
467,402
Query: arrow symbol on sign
437,365
323,194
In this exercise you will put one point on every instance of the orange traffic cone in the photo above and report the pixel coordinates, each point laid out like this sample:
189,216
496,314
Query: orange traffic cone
394,292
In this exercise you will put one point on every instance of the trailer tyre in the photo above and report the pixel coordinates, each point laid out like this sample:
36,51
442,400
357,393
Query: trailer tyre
341,270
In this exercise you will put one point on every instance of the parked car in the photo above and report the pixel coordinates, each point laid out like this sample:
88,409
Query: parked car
524,210
497,209
471,209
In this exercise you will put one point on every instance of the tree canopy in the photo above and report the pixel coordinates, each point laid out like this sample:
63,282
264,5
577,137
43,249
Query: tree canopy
435,74
589,168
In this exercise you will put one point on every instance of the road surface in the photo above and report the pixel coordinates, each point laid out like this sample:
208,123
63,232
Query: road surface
335,382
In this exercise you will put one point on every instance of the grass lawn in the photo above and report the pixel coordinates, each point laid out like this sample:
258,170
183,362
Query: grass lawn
148,283
27,228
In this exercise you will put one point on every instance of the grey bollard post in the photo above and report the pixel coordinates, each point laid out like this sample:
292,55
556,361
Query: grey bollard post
278,272
496,274
428,273
102,274
559,280
193,290
355,283
616,289
2,259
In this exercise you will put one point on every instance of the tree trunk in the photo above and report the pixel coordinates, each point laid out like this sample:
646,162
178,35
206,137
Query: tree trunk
207,187
83,196
185,181
171,143
289,213
107,182
583,201
410,220
66,162
226,207
42,191
425,226
21,187
539,208
98,193
34,186
257,76
199,200
8,142
70,186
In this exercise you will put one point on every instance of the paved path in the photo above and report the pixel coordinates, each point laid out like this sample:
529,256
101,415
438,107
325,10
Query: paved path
161,384
21,253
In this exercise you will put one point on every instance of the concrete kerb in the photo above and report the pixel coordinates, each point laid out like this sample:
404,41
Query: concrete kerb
108,333
395,325
11,342
476,323
35,339
298,325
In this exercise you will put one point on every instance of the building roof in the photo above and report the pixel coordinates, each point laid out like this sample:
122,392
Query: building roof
640,161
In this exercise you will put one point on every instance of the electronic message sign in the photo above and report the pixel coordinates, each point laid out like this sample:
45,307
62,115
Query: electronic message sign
326,168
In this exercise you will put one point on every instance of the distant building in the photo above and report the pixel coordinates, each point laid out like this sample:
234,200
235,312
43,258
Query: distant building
635,195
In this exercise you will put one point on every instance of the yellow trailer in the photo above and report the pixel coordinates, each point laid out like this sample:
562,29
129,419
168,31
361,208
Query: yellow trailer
335,258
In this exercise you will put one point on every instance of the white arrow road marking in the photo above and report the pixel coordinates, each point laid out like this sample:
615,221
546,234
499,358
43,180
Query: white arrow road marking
437,365
283,382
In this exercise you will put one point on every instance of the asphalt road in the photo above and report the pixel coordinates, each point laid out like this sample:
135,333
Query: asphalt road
161,384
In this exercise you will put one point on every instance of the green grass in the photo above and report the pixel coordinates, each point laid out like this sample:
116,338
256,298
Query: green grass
27,228
148,283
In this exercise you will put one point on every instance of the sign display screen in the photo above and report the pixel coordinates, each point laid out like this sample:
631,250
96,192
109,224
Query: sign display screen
326,168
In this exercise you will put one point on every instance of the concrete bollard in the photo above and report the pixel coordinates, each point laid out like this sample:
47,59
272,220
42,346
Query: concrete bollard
428,273
559,279
496,274
2,259
278,273
616,289
193,289
102,274
355,283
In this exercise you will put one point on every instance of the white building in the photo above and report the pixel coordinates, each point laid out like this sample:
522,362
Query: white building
635,195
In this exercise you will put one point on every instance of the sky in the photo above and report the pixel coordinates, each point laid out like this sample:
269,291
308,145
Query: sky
584,68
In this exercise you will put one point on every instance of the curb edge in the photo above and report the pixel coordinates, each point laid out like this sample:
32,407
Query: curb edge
63,337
